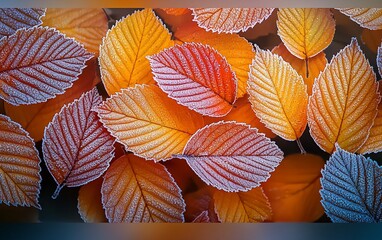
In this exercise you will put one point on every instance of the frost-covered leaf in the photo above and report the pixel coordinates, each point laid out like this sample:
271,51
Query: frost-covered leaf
338,112
379,60
87,25
196,76
136,190
278,95
124,49
309,68
237,50
12,19
19,166
76,147
305,31
231,156
352,188
36,64
35,117
89,202
242,207
202,218
293,189
148,123
370,18
230,20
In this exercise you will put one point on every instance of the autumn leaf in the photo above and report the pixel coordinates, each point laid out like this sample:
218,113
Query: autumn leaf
76,147
305,31
242,207
12,19
198,202
373,142
88,26
370,18
230,20
352,188
309,69
135,190
237,50
231,156
19,166
176,11
37,64
35,117
338,111
372,39
278,95
124,49
293,189
143,120
379,60
196,76
202,218
89,202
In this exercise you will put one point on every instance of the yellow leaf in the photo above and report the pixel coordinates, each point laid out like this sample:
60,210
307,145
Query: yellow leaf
242,207
143,120
305,31
237,50
135,190
86,25
370,18
293,189
89,202
309,69
344,102
124,49
374,141
278,95
34,118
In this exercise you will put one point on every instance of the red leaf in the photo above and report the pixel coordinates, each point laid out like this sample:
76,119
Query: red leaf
37,64
77,148
196,76
231,156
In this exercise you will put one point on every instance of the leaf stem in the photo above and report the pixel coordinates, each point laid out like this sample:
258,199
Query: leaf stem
307,67
57,191
300,146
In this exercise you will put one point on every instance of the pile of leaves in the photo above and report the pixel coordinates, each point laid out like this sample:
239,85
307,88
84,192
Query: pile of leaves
182,115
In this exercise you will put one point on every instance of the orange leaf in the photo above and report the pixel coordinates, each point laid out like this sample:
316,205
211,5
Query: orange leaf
237,50
135,190
176,11
86,25
77,149
231,156
242,207
338,112
230,20
305,31
12,19
124,49
372,38
373,142
309,69
202,218
89,202
293,189
278,95
143,120
19,166
174,21
34,118
196,76
37,64
242,113
370,18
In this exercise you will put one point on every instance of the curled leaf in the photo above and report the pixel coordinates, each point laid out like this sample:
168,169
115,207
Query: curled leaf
352,188
143,120
370,18
337,110
196,76
19,166
37,64
230,20
135,190
231,156
76,147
